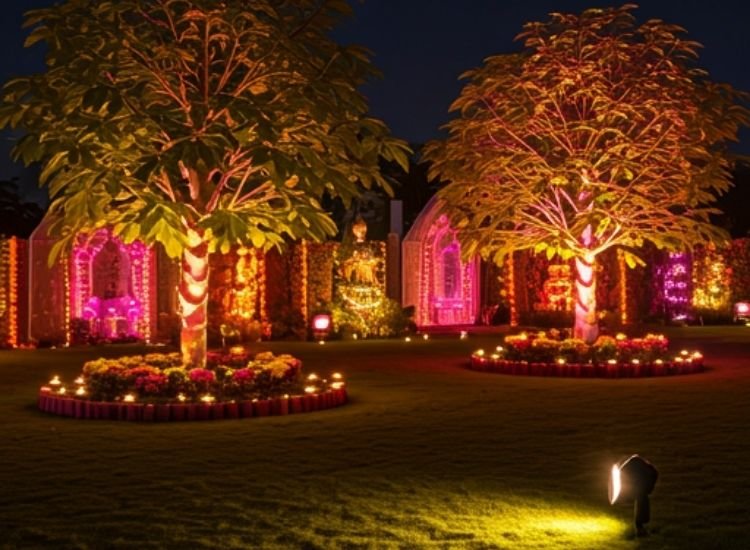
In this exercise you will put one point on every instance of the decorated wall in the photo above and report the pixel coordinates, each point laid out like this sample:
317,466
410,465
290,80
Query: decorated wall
12,295
442,288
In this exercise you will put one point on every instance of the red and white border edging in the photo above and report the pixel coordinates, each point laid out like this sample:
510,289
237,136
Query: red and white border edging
62,405
587,370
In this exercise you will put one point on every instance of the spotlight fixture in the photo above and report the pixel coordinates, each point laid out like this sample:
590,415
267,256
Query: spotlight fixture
634,478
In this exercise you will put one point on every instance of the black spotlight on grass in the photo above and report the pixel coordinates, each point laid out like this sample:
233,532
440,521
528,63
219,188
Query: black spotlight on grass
633,479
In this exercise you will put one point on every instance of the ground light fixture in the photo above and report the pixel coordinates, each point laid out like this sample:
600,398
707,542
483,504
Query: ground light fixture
742,311
634,478
321,326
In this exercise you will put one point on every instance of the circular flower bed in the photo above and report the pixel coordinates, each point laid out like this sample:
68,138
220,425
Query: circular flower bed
547,354
156,387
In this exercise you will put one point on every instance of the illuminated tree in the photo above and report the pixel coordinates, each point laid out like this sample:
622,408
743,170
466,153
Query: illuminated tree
602,133
197,124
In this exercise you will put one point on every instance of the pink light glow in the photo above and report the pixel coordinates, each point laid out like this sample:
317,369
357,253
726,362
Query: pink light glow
742,308
321,322
111,292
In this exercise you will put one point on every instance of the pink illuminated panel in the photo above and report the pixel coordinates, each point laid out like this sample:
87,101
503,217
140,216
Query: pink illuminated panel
447,294
110,285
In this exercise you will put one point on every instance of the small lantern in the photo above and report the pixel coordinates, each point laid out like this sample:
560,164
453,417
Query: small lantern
741,311
321,326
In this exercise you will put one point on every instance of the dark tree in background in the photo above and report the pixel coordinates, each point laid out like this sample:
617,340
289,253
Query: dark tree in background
17,217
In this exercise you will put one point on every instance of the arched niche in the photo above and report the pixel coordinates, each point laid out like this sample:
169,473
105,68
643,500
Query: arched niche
110,286
442,289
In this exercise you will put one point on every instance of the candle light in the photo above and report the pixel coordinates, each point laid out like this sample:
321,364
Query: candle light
181,397
322,342
312,377
479,353
560,360
425,337
336,376
310,389
81,391
407,339
129,398
208,398
80,381
611,361
61,391
636,361
499,349
55,381
337,385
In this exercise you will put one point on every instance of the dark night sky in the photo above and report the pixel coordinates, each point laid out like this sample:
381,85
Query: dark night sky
421,46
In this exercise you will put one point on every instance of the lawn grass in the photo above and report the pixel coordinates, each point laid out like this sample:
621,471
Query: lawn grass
428,454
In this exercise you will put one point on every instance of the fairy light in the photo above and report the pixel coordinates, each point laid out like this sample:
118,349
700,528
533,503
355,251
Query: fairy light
181,397
512,291
622,268
304,274
263,310
13,292
66,292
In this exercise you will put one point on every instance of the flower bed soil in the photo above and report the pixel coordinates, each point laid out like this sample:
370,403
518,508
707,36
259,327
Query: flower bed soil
62,405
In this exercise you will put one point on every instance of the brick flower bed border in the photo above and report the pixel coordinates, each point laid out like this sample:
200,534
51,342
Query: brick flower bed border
575,370
62,405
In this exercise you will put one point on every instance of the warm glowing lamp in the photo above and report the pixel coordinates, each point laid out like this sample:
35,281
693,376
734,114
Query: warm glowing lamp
741,311
634,479
321,325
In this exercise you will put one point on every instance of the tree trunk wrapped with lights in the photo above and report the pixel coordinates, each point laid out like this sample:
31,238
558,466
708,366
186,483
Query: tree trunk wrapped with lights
193,296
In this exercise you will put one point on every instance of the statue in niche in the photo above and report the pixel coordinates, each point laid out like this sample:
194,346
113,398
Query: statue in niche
451,272
111,272
362,266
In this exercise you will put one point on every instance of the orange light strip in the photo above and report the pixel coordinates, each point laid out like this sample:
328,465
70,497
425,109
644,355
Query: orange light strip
303,298
512,291
13,292
623,287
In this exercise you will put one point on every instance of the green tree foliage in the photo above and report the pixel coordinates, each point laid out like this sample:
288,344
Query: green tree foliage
601,133
231,118
599,122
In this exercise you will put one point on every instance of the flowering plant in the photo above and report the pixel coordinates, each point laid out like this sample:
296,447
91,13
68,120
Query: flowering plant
539,347
161,376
